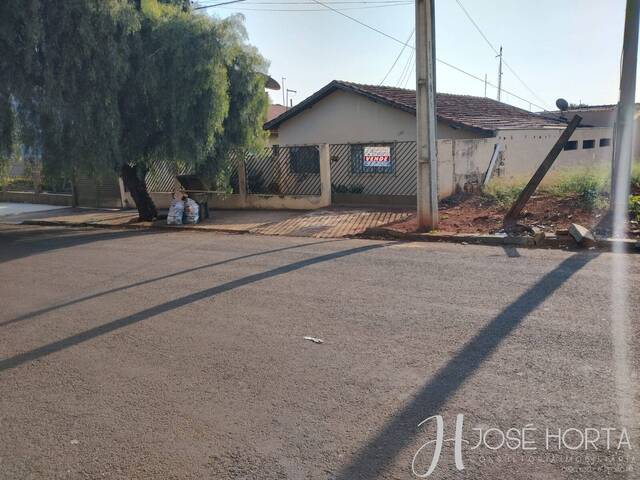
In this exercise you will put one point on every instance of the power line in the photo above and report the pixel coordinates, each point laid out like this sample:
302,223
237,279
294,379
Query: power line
286,10
399,55
406,70
217,4
413,67
332,2
397,40
335,2
498,53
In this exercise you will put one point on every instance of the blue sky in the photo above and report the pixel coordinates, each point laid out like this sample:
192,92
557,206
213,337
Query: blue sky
560,48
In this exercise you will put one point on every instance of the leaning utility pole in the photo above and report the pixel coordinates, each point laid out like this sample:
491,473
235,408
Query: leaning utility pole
500,74
624,126
427,193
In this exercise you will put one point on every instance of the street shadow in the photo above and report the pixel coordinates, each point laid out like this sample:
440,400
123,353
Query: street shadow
32,241
372,459
103,293
92,333
511,251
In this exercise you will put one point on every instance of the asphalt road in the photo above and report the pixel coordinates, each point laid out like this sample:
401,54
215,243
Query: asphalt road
127,354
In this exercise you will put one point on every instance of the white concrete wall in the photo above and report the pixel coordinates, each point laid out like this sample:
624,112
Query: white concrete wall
462,163
524,150
344,117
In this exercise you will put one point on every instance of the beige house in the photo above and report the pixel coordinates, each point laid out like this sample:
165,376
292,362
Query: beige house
469,130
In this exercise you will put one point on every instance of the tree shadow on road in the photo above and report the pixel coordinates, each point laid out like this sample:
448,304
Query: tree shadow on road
32,241
103,293
92,333
372,460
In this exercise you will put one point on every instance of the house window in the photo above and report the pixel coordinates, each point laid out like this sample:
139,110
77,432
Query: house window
571,145
588,143
605,142
304,159
372,158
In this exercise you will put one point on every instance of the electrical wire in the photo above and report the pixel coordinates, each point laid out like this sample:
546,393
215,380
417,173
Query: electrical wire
495,50
405,70
398,57
397,40
340,2
217,4
335,2
249,9
412,71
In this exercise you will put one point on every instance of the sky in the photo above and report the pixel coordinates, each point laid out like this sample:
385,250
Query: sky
559,48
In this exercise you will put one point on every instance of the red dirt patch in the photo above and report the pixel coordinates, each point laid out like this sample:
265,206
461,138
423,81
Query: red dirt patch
477,214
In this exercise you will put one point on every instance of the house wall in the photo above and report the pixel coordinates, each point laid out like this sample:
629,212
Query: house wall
462,163
343,117
607,118
524,150
594,118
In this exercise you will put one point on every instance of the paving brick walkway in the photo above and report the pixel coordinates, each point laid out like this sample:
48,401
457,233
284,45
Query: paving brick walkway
332,223
328,223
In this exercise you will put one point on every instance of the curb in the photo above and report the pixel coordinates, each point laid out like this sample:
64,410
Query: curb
131,226
543,241
378,233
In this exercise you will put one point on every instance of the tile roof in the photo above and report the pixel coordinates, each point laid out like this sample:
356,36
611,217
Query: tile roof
465,111
275,110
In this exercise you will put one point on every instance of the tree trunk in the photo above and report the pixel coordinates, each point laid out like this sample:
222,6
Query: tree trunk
134,182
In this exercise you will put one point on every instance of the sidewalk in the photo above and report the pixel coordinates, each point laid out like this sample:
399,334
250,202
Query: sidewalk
374,223
326,223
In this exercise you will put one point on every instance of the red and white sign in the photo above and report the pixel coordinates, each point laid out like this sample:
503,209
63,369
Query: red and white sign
377,156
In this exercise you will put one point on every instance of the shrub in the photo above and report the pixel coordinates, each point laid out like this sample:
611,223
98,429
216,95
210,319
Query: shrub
589,187
634,207
635,178
353,188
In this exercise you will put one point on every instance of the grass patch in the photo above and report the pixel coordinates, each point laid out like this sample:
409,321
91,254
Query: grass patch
503,193
634,207
635,177
589,187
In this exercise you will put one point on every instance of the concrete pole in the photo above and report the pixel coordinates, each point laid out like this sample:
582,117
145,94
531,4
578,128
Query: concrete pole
427,193
624,126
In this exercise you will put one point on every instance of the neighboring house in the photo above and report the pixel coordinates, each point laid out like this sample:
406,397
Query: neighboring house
602,116
468,130
274,110
345,112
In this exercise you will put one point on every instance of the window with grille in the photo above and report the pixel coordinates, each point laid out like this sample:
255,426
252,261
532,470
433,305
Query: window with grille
304,159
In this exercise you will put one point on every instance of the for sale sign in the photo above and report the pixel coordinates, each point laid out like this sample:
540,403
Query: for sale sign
378,156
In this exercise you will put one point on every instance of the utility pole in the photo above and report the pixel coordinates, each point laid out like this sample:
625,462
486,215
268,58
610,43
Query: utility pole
485,85
427,172
500,74
624,126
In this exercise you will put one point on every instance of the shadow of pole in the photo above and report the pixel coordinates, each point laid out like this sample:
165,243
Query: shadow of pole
511,251
92,333
93,296
371,461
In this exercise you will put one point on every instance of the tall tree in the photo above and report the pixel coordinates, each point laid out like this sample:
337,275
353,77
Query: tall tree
116,85
175,101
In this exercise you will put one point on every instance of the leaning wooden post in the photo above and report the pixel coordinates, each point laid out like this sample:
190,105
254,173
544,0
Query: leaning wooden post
511,218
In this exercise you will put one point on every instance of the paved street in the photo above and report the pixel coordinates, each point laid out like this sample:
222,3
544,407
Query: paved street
176,354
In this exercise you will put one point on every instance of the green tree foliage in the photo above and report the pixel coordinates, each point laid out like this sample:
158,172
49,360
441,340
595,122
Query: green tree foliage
115,85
